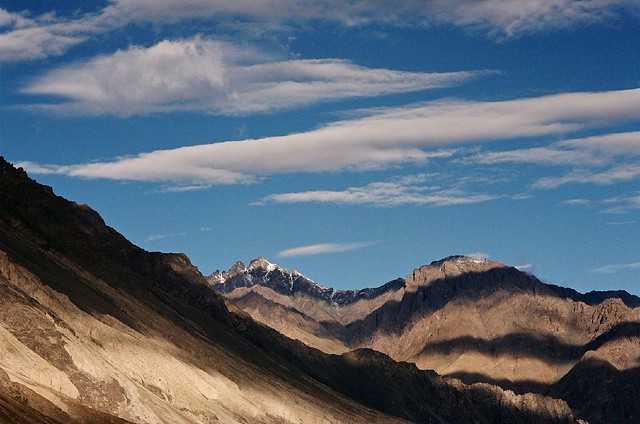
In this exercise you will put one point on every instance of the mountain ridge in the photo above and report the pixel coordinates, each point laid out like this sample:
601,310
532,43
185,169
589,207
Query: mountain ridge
220,280
288,282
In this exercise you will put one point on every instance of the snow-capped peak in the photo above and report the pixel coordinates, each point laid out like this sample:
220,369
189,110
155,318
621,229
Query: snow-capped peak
262,263
264,273
217,277
462,259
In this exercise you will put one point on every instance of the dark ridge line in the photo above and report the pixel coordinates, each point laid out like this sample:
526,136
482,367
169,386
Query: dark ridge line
517,386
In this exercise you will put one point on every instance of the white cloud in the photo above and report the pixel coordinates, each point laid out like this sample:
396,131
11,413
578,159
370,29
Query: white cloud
156,237
219,78
49,36
379,138
521,196
610,145
34,43
525,268
508,18
407,190
616,174
576,202
150,171
595,150
622,204
42,169
184,188
503,18
13,20
26,38
534,155
615,268
322,248
629,222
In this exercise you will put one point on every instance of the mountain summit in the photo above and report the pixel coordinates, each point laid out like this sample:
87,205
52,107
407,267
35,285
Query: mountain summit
451,266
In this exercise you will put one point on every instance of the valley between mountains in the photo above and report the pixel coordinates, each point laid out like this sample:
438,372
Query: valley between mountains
94,329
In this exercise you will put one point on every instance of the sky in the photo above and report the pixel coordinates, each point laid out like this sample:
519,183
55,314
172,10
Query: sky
352,141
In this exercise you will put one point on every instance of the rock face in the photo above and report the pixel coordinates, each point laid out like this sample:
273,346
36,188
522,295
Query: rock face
479,321
96,330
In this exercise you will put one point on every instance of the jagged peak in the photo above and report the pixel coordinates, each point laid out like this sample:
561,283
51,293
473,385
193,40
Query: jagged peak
262,263
262,272
238,267
218,277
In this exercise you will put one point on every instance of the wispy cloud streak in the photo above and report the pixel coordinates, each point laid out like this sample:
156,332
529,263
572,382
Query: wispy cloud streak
576,202
622,204
156,237
409,190
323,248
216,77
379,138
616,174
617,151
28,38
595,150
615,268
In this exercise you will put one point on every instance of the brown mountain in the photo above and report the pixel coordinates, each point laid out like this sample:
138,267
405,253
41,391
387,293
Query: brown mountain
96,330
469,318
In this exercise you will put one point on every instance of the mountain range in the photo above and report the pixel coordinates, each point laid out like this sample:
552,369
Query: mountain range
94,329
470,318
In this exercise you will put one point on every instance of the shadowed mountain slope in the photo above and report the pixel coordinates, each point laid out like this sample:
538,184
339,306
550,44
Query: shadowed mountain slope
601,393
94,329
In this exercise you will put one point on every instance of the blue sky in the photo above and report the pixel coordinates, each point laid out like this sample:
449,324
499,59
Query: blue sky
351,143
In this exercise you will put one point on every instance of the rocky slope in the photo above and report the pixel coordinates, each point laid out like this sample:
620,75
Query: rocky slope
473,319
94,329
